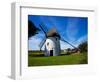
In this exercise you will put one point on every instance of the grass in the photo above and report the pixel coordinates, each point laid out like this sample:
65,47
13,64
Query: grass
57,60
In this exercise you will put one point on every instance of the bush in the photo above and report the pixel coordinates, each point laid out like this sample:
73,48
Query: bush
83,47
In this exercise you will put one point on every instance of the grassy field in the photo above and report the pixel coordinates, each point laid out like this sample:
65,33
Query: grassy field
40,60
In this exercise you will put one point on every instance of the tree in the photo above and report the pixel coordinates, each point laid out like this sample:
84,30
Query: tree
32,29
83,47
68,51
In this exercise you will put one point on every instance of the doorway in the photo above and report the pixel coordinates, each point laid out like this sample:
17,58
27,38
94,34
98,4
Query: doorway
51,52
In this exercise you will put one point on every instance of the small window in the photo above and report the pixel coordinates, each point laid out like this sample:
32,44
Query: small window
48,44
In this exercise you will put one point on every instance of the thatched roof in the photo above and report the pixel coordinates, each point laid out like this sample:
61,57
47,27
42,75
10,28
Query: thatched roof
52,32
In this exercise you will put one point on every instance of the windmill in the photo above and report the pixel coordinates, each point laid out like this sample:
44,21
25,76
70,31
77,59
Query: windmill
51,41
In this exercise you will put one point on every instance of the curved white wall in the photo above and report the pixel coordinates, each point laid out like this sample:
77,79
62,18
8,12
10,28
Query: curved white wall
52,43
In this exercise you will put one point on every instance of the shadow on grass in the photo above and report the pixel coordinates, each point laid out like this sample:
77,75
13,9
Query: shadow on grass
42,55
39,55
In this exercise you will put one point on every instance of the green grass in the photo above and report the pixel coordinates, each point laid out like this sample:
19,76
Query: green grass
57,60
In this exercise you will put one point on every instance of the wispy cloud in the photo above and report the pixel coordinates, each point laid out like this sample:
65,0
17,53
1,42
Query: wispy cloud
80,40
72,29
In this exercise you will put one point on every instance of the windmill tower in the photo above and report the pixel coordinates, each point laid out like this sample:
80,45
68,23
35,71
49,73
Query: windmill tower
51,41
52,44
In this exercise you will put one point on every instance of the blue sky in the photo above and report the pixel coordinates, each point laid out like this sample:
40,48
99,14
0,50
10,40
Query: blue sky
72,29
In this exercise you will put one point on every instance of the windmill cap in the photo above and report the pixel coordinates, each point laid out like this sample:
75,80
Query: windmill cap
52,33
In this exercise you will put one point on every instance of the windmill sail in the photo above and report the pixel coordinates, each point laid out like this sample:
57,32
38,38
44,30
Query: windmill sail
44,27
43,30
42,43
68,43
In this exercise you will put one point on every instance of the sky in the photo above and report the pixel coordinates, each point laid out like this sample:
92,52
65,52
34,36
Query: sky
72,29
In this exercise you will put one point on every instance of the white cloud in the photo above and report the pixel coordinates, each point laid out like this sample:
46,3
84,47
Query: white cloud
33,43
